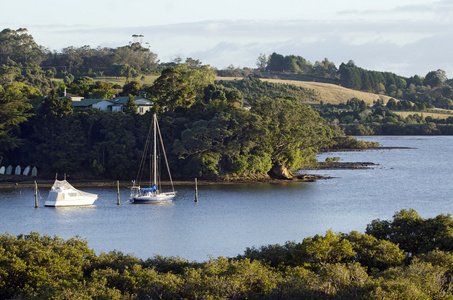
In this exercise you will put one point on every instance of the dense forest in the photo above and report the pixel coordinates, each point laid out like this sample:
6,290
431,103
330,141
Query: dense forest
208,136
408,257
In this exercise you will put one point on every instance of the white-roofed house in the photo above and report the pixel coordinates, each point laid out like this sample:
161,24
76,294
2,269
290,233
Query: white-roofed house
143,104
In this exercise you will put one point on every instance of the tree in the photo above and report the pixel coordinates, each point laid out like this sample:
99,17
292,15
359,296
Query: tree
435,78
20,47
276,63
171,90
135,56
320,250
391,104
325,69
197,76
102,90
193,63
413,233
130,107
220,95
261,62
132,88
350,76
375,253
295,133
227,141
54,107
14,110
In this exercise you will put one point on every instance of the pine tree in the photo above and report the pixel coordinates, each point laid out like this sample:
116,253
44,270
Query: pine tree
130,107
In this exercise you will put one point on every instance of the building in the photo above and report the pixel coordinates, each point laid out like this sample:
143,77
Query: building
114,105
71,97
86,103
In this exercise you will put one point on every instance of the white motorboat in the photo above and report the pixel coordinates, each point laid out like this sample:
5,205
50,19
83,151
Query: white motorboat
64,194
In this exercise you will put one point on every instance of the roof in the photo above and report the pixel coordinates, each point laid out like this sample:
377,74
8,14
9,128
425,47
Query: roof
73,95
140,101
86,102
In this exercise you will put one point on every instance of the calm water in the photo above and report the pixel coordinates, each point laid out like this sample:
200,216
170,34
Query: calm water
229,218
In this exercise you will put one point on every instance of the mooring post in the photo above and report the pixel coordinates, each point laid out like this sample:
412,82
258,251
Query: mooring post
196,191
36,195
118,188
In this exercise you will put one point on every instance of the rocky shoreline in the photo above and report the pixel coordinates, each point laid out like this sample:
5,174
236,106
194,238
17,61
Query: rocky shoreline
345,165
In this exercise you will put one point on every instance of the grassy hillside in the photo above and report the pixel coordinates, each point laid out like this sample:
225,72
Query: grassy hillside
332,93
436,114
147,79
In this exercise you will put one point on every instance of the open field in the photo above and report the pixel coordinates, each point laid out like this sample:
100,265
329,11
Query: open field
228,78
147,79
441,114
332,93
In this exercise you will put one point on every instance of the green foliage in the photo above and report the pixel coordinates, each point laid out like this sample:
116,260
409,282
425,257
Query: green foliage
435,78
254,88
349,142
171,90
296,64
130,107
198,76
419,280
294,132
20,47
132,88
220,96
330,249
14,110
34,266
54,107
373,253
334,266
274,132
415,234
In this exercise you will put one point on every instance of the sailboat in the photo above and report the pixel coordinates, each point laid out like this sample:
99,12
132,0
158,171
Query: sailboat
153,193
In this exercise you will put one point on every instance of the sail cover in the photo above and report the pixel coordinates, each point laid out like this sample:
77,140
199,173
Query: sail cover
151,189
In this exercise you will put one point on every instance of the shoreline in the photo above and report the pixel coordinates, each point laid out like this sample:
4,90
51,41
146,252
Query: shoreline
10,183
19,181
16,182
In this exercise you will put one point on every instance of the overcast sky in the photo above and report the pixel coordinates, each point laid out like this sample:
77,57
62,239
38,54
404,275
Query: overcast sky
406,37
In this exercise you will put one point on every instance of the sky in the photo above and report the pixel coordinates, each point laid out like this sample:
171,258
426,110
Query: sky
408,38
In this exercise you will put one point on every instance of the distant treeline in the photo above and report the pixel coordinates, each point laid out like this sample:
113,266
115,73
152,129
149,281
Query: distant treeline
356,118
408,257
432,90
21,59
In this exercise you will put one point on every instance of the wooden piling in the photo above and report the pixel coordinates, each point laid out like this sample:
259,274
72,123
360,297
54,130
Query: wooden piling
36,195
196,191
118,193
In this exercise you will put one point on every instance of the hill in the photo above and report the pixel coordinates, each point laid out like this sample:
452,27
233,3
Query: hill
336,94
332,93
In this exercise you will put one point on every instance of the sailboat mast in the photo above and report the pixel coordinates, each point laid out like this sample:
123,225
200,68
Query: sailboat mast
155,150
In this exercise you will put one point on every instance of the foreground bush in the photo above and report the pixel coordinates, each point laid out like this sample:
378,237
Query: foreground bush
334,266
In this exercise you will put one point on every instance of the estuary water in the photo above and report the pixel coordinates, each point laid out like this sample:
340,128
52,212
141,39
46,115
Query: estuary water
229,218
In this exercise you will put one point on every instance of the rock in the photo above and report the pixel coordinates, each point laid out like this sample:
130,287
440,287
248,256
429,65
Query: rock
280,172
